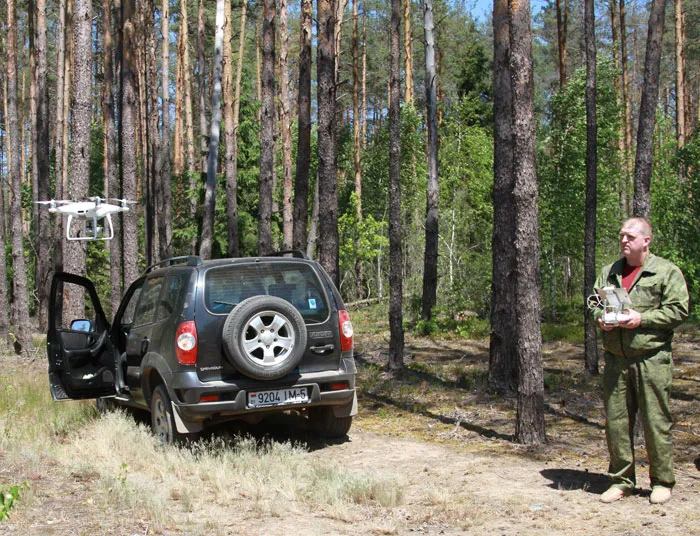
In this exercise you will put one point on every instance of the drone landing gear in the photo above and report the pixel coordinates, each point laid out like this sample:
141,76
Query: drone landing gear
89,229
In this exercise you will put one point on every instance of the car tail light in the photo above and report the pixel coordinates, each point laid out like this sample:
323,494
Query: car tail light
339,386
186,343
209,398
346,331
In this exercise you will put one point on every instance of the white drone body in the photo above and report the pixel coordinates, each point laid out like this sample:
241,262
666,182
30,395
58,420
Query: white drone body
90,212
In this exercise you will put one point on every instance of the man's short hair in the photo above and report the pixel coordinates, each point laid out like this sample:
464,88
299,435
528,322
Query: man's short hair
642,223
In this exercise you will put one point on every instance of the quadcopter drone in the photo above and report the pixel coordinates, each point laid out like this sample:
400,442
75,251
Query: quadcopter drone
89,212
613,301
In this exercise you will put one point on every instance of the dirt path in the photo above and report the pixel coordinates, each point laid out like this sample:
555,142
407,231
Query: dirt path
446,492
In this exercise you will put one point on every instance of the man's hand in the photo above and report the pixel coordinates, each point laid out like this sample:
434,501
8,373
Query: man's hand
629,319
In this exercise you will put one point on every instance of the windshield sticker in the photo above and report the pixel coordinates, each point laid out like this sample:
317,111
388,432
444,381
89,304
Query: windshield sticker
312,303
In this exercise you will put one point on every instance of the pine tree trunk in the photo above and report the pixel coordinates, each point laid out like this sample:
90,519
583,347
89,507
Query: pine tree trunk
408,51
589,275
81,122
529,428
503,358
285,127
165,230
433,190
267,124
190,148
680,75
357,120
363,112
232,207
127,134
627,109
229,134
20,309
205,249
647,112
58,130
396,343
327,152
153,185
41,155
111,188
201,88
562,16
301,184
178,129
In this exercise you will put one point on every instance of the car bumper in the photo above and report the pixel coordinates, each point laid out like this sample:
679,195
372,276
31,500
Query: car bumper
189,394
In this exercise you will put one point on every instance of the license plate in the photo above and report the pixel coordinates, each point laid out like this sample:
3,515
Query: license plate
278,397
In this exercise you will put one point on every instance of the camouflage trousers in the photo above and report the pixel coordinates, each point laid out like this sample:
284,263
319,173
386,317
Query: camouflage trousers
642,384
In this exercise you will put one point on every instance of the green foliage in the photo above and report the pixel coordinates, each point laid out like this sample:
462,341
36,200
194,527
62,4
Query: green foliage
8,496
675,211
562,172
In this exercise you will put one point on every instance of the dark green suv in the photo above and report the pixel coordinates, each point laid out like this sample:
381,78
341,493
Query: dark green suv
202,342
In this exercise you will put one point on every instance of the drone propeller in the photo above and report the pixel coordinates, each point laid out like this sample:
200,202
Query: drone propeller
123,202
53,202
96,199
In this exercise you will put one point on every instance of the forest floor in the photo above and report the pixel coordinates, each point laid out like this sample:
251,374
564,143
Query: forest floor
446,442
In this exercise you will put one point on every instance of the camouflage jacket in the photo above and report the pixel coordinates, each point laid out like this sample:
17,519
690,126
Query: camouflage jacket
659,293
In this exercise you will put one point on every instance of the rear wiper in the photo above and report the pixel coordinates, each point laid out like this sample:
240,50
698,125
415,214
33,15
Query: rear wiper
225,303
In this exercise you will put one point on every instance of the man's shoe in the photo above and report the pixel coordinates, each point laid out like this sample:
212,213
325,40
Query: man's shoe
614,494
659,495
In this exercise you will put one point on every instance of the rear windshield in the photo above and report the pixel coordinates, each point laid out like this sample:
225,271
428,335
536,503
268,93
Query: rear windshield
227,286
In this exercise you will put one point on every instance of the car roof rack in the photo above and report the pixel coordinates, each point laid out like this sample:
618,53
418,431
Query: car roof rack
296,253
188,260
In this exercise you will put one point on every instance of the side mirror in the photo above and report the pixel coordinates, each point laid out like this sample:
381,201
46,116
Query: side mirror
81,325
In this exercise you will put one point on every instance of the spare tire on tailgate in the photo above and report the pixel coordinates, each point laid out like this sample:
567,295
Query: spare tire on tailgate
264,337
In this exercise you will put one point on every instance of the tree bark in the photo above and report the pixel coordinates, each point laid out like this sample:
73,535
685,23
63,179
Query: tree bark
680,75
267,124
20,309
165,230
562,16
627,109
59,128
301,184
589,276
127,134
110,150
81,122
191,162
396,342
202,89
503,359
529,428
647,112
286,131
205,249
229,163
357,120
408,51
433,189
327,150
41,154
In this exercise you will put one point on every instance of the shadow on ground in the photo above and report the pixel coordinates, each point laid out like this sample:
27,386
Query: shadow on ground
571,480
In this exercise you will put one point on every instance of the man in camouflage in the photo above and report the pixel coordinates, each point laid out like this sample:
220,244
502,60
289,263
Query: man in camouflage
638,363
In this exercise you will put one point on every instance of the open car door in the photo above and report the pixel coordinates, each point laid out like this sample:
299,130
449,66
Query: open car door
80,351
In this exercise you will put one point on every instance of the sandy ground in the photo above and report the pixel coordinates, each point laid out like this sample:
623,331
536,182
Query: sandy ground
458,478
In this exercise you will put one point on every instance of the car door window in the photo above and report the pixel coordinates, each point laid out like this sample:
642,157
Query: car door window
146,310
130,309
172,293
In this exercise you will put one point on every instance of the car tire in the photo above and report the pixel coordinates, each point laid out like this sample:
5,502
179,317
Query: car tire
105,405
264,337
324,423
163,420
